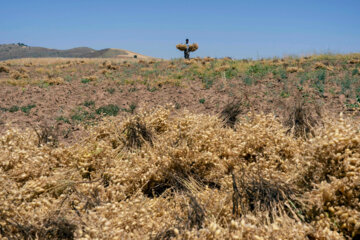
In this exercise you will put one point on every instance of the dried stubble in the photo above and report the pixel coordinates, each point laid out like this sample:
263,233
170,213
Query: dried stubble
178,182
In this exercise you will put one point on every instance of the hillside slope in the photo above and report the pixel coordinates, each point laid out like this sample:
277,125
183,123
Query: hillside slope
14,51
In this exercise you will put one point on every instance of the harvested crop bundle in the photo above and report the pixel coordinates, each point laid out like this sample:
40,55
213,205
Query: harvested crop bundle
4,69
181,47
193,47
161,175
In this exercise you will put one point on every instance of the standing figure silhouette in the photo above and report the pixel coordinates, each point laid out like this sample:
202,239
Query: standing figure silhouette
187,51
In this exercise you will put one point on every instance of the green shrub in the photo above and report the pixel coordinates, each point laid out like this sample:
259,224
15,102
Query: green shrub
153,89
231,73
131,109
68,78
280,72
26,109
346,84
14,109
248,80
208,82
85,80
355,72
89,103
110,90
64,119
284,94
259,70
202,100
82,115
303,77
321,75
108,110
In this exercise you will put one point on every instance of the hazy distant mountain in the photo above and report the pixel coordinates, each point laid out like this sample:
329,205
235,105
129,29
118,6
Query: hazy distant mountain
20,50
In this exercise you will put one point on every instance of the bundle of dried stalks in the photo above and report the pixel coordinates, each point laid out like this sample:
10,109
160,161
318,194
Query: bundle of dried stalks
300,121
193,47
181,47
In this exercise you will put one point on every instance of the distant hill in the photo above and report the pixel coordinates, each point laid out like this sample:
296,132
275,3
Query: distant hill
20,50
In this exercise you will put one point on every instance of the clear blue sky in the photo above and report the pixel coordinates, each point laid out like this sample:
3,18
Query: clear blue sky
239,29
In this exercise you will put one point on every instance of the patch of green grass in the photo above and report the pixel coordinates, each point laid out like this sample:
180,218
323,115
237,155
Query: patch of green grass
80,115
355,72
89,103
332,91
153,89
26,109
352,105
299,87
320,87
208,82
248,80
108,110
85,80
177,105
303,77
202,100
231,73
259,70
131,108
284,94
280,73
133,89
110,90
64,119
346,84
321,75
357,92
14,109
68,78
44,84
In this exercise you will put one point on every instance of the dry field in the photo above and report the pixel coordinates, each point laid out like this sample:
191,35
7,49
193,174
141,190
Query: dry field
199,149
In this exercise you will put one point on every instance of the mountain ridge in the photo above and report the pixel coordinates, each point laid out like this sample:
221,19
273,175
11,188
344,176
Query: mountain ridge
20,50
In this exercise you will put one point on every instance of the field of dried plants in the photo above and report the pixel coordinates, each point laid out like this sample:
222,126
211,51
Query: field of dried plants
199,149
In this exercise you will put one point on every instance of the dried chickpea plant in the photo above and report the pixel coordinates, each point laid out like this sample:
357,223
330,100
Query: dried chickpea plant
165,175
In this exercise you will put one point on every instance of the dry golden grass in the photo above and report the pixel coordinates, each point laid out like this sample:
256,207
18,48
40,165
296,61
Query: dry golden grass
4,69
186,176
320,65
294,69
55,81
72,61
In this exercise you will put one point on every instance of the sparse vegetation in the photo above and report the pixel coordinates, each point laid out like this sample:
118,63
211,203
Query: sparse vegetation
108,110
85,80
14,109
81,115
26,109
89,103
110,90
64,119
216,165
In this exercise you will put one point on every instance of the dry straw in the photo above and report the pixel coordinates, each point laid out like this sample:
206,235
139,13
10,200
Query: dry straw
192,47
160,175
181,47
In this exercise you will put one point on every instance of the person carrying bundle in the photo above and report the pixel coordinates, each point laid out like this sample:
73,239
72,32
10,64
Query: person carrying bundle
186,51
186,48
